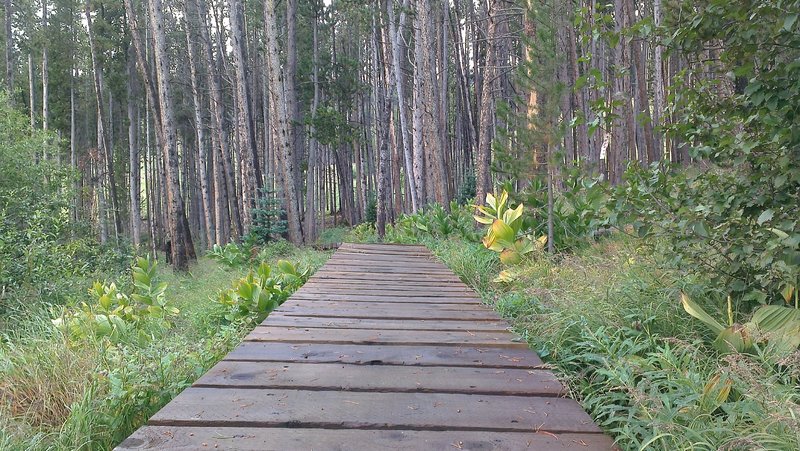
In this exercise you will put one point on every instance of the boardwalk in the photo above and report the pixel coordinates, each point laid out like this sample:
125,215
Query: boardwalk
384,348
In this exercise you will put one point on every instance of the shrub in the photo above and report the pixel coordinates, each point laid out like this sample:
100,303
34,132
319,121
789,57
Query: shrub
254,296
117,315
232,254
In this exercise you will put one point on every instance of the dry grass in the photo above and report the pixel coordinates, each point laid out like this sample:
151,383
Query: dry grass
43,381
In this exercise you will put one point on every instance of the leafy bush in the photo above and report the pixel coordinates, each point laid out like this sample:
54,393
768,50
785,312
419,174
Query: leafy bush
232,254
436,222
115,314
773,328
735,219
41,249
254,296
579,209
506,234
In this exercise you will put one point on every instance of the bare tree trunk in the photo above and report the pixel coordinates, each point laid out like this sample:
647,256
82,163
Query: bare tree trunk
292,104
45,74
659,103
396,37
32,95
282,117
223,158
420,172
639,63
425,49
103,144
9,51
135,175
251,182
182,247
311,182
382,124
487,113
202,153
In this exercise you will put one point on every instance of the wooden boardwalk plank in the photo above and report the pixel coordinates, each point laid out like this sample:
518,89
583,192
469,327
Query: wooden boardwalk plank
385,337
387,304
475,356
278,319
198,406
250,439
384,348
401,379
353,310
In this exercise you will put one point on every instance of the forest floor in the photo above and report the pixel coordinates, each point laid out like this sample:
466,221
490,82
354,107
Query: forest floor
605,317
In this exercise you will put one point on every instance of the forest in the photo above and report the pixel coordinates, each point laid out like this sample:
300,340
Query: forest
620,180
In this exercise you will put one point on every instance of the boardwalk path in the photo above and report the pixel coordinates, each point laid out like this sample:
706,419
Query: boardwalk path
384,348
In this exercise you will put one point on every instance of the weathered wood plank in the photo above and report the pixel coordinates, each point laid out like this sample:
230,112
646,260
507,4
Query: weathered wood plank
352,310
374,248
387,291
398,379
366,410
324,278
250,439
388,298
473,356
401,278
387,269
278,319
385,337
387,304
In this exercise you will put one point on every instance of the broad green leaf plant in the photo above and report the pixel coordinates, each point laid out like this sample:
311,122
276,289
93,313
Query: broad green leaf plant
774,329
506,234
115,314
256,295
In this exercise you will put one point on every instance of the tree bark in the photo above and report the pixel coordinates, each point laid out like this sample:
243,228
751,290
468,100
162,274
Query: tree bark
9,51
102,142
487,110
252,177
134,174
282,118
202,153
181,239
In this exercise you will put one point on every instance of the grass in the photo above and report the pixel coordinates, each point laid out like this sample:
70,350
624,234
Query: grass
61,395
607,319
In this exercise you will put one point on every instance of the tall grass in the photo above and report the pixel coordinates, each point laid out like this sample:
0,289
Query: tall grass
61,395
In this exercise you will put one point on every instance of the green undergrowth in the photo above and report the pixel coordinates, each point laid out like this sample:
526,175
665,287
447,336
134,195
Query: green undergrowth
61,393
608,320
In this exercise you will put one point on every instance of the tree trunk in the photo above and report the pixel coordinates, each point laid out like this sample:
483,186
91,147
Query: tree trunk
425,49
282,117
396,37
9,51
45,74
135,175
102,142
659,104
252,177
311,181
181,238
487,113
202,153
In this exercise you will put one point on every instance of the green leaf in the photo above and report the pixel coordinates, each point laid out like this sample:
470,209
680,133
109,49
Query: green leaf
695,310
765,216
789,22
510,257
503,233
733,339
771,318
